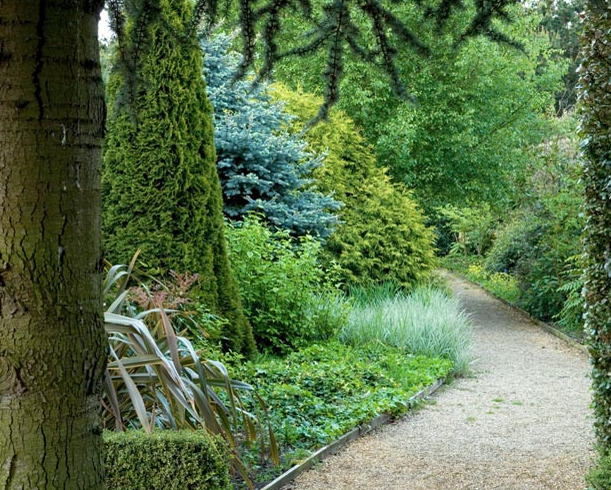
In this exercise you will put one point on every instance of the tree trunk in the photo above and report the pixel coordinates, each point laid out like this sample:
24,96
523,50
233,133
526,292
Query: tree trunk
595,98
52,342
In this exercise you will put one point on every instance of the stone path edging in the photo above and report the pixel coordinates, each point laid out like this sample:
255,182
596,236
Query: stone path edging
359,431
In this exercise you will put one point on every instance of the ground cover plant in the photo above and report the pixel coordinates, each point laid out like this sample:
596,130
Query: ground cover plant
318,393
501,284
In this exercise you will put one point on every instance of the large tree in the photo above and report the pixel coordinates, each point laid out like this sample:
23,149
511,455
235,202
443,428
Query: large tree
595,99
52,342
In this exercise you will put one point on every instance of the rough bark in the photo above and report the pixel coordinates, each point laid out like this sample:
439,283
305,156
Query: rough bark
52,342
595,99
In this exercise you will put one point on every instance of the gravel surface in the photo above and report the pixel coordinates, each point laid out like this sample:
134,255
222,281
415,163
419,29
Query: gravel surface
520,422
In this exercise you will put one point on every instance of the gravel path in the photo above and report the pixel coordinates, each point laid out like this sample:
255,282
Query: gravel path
520,422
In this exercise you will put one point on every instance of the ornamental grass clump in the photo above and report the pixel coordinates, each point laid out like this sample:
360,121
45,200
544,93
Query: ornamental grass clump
425,322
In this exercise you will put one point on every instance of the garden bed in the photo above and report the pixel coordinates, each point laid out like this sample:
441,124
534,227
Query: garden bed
328,394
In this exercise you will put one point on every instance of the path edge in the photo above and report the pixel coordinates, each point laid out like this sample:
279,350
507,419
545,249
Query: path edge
541,324
363,429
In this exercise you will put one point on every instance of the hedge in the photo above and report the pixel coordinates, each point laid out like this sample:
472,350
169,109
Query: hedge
165,460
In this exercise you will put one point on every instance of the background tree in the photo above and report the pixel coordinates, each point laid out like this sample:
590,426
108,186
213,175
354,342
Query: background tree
262,166
476,117
52,342
382,235
561,20
595,100
161,191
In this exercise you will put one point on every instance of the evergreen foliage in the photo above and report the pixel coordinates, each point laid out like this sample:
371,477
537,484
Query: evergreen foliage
262,166
595,101
165,460
382,236
160,186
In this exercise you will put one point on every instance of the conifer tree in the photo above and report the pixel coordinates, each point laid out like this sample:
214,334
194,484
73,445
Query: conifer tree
382,235
262,167
161,191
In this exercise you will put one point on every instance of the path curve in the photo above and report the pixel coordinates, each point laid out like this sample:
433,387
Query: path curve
521,422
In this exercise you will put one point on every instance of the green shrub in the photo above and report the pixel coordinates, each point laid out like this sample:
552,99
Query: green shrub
513,242
571,316
160,188
599,477
425,322
287,296
535,246
538,239
471,227
164,460
155,377
382,236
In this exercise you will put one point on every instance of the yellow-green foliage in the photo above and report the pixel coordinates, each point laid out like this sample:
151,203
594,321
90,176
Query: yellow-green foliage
383,235
160,188
165,460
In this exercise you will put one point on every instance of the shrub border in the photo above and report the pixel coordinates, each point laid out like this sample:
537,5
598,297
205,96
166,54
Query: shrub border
332,448
545,326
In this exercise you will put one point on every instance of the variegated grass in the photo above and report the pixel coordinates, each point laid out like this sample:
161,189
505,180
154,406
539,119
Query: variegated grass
426,321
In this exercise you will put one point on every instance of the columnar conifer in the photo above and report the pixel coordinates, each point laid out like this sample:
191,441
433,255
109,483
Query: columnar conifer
160,186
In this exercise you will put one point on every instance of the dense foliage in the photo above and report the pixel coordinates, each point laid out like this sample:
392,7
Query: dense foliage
595,100
538,241
287,295
157,379
161,192
599,476
382,235
323,391
261,165
165,460
530,254
475,117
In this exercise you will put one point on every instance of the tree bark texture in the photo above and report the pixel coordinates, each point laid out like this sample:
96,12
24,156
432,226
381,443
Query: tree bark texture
52,341
595,100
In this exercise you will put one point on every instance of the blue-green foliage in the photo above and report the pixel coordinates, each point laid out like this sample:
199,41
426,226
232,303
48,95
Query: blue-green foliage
262,167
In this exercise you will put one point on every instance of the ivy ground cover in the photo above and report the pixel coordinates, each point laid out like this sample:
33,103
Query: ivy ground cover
323,391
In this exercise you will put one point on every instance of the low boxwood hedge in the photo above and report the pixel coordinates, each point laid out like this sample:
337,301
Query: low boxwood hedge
165,460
